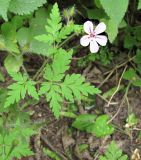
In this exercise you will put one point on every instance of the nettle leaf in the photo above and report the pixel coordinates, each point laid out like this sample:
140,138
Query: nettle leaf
8,30
25,7
4,5
19,89
111,9
113,153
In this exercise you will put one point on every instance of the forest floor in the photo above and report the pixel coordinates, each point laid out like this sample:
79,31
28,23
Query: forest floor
56,136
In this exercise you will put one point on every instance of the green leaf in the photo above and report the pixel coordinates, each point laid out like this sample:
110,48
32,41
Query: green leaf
137,58
4,5
139,4
18,90
130,74
52,28
25,7
15,144
3,95
59,87
83,121
132,120
101,127
113,153
96,14
75,85
112,30
111,9
23,36
37,27
60,64
51,154
66,31
13,63
55,99
9,35
93,124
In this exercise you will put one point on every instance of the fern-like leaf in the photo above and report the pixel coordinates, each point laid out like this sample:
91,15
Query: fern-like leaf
18,90
53,26
59,87
55,71
113,153
74,85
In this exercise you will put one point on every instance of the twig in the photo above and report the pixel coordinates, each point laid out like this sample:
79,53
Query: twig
117,86
48,143
123,99
120,65
106,79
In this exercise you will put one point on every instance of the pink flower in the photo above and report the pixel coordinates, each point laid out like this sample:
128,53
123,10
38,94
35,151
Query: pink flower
93,38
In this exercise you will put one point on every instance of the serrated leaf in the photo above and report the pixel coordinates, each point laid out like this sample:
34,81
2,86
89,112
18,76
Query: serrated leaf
52,28
25,7
111,9
18,90
101,127
113,153
4,5
55,99
65,32
60,64
76,83
15,144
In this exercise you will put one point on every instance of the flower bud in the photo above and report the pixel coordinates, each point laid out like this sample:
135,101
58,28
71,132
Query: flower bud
69,13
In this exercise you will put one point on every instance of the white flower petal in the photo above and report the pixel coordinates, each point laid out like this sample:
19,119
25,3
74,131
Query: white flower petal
102,40
101,27
94,47
85,40
88,27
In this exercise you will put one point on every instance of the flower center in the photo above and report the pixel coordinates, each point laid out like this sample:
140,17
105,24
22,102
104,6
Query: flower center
92,34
